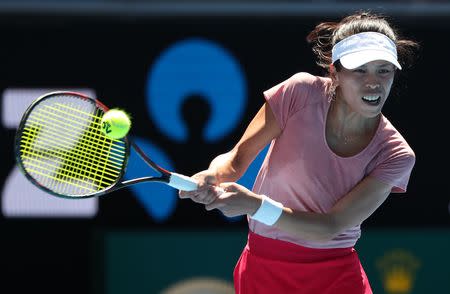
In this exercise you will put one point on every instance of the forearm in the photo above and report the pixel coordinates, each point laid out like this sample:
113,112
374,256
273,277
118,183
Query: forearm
228,167
349,211
308,225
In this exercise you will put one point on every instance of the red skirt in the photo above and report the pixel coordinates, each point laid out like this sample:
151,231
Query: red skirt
273,266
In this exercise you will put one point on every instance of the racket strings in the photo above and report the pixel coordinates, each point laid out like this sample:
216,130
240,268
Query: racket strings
63,148
60,155
60,152
61,134
77,166
74,171
69,123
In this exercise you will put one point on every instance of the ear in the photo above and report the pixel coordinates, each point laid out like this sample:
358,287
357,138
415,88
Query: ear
333,74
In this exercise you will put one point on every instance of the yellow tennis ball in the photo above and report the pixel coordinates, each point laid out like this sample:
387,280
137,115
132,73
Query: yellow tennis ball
115,123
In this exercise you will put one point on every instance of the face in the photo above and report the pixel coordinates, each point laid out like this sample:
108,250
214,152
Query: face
365,89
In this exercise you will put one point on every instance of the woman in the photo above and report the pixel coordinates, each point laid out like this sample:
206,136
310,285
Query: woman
334,158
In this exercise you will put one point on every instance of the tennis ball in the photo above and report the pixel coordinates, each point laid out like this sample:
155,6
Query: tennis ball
115,123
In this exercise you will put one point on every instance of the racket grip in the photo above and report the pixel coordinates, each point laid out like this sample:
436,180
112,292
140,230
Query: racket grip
182,182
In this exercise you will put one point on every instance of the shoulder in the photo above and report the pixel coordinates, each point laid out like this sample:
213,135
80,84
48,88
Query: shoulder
308,80
308,87
294,94
393,145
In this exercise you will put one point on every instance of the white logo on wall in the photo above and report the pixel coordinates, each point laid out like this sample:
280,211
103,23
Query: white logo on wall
20,198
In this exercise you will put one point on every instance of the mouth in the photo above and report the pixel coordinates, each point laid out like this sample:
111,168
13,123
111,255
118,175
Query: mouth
371,99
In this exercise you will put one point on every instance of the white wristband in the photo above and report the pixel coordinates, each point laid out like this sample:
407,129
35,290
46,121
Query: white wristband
269,211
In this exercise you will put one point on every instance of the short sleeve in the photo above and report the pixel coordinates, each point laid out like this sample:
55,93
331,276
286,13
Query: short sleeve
396,169
289,96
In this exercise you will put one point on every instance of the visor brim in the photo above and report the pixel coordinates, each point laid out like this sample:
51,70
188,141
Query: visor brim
356,59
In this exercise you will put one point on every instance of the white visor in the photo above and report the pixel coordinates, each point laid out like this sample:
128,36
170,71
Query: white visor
362,48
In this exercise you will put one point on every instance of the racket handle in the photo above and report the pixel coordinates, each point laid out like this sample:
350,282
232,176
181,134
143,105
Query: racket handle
186,183
182,182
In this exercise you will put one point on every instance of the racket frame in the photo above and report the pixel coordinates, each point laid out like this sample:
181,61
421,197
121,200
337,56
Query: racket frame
166,177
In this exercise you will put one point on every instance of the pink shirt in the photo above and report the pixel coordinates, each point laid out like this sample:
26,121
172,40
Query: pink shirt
303,173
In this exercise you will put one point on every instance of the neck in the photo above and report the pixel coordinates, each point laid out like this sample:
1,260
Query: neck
348,125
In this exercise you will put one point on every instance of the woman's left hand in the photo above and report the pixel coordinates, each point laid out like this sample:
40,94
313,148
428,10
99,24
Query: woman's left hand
236,200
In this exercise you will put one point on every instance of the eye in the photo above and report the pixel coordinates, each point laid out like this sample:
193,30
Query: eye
359,70
385,71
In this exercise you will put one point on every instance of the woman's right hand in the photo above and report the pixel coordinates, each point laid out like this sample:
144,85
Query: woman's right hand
207,190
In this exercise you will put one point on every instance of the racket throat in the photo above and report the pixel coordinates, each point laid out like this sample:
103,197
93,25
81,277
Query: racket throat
163,179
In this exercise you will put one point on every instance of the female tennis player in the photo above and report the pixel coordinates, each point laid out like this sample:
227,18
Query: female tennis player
333,159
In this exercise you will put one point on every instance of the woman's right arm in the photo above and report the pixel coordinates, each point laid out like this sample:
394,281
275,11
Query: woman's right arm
230,166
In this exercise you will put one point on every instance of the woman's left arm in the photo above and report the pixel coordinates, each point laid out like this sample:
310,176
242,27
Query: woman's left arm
349,211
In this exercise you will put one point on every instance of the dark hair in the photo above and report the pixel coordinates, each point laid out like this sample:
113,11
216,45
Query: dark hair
326,34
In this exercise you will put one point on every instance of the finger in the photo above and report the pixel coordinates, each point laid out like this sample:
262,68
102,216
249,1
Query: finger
207,196
200,184
228,187
216,204
200,198
205,179
212,195
220,201
204,195
219,191
187,194
209,200
199,179
183,194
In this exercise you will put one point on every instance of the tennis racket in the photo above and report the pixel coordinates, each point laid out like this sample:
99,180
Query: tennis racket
60,148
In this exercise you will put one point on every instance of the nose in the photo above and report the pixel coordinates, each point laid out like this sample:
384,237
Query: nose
372,82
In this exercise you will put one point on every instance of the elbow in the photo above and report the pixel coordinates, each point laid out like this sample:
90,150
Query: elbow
319,236
331,228
314,227
326,235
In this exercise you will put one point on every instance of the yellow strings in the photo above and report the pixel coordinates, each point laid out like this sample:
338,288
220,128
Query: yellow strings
65,147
